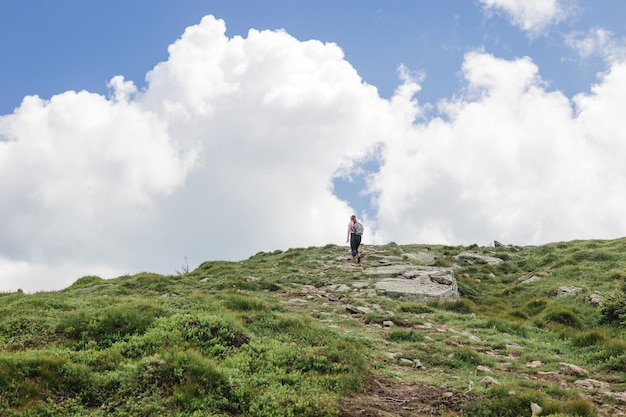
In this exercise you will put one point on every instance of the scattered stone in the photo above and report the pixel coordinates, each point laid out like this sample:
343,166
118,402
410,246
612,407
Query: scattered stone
205,280
531,279
535,409
478,258
388,323
620,396
342,288
20,291
590,384
567,291
357,310
595,299
252,279
392,355
405,361
296,301
417,363
485,369
423,257
489,381
93,287
534,364
168,295
569,369
497,244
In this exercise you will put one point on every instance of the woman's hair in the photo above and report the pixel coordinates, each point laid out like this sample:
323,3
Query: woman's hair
353,218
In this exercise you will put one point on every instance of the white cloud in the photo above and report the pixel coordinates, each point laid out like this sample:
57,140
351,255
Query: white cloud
532,16
597,42
231,149
513,162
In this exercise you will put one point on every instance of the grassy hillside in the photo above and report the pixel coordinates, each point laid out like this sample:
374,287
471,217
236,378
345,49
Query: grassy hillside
304,333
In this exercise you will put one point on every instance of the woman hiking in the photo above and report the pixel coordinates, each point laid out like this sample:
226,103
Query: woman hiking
355,231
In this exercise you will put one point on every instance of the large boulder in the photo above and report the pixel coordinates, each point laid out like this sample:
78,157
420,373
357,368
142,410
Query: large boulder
421,285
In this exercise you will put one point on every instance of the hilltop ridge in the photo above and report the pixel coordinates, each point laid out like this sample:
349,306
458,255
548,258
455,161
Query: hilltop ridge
306,332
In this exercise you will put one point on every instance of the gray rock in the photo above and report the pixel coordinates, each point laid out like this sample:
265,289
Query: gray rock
478,258
531,279
442,278
423,257
569,369
595,299
567,291
358,310
535,409
421,288
590,384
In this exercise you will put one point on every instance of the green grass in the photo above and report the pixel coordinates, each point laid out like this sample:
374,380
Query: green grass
270,336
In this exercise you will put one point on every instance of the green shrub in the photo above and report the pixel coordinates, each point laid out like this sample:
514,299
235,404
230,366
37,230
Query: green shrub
503,326
403,335
210,334
414,308
586,339
25,332
109,325
498,402
463,357
461,306
33,377
613,309
535,306
564,316
243,303
184,379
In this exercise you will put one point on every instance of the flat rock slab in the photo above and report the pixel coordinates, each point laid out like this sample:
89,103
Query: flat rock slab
405,271
422,287
424,257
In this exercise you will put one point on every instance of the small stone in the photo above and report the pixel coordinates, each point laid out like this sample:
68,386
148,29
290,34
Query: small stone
489,381
534,364
569,369
535,409
481,368
388,323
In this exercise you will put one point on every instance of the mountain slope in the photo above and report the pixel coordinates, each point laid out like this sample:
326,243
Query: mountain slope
304,332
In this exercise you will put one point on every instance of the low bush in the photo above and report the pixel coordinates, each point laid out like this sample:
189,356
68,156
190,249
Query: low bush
563,315
403,335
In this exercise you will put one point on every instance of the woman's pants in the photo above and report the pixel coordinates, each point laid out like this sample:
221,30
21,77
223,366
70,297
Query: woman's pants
355,241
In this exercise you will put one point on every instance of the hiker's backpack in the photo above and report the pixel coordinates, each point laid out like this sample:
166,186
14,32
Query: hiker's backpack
358,228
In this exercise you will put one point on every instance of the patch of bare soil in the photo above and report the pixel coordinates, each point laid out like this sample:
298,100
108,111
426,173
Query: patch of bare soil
389,399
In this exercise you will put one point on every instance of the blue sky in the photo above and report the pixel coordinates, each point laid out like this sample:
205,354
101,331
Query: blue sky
135,135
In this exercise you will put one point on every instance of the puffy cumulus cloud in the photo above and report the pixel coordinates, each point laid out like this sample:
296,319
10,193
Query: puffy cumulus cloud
510,161
276,119
531,16
230,149
79,179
